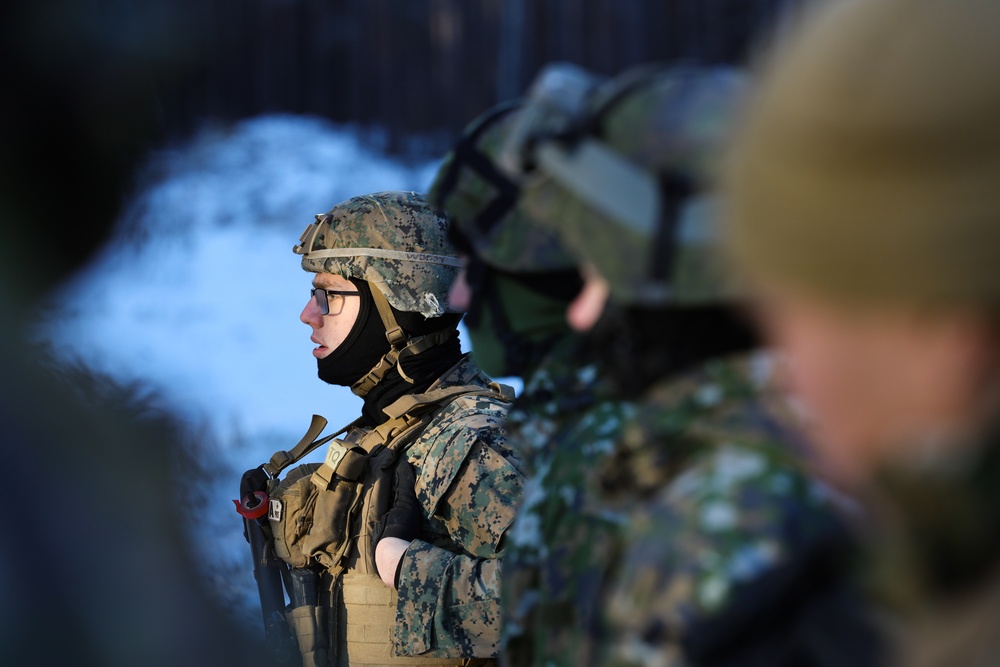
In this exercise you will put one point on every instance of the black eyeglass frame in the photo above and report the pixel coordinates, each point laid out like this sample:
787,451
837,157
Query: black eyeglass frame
324,303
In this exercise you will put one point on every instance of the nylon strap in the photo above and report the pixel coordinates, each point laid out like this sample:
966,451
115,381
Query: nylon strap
399,346
409,403
393,332
307,444
421,344
396,337
466,155
605,180
674,191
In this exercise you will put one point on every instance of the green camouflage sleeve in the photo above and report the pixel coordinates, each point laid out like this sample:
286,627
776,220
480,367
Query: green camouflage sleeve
449,604
449,584
729,518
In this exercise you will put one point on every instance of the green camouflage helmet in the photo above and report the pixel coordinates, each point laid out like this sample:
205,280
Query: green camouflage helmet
393,240
481,202
630,196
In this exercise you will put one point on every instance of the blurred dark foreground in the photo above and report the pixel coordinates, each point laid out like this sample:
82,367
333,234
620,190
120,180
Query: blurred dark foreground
95,567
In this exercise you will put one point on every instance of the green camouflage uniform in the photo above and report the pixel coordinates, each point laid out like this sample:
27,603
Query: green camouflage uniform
939,569
724,533
566,422
721,500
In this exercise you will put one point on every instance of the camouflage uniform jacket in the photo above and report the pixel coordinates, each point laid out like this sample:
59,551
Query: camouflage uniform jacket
721,501
566,423
936,563
469,483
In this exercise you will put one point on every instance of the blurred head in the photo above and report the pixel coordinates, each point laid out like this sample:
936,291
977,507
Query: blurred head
627,190
631,201
885,383
480,201
383,266
862,195
517,279
80,108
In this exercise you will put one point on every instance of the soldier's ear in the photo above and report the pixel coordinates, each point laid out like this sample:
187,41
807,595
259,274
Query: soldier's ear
588,305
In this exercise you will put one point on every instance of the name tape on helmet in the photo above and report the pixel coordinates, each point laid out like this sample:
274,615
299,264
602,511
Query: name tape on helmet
380,253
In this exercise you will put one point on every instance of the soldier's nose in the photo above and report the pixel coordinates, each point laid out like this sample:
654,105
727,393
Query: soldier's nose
310,314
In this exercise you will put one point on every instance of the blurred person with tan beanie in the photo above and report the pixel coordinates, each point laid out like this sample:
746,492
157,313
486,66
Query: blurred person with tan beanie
864,199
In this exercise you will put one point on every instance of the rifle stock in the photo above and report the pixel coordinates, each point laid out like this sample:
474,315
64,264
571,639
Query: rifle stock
269,572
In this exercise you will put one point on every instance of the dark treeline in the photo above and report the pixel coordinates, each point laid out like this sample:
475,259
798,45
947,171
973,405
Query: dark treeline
426,67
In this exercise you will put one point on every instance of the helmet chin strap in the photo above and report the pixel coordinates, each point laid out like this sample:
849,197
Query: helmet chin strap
400,346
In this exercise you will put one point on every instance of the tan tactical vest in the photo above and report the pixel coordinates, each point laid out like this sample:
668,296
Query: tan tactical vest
322,517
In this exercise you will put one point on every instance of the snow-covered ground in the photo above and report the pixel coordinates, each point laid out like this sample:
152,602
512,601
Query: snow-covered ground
202,298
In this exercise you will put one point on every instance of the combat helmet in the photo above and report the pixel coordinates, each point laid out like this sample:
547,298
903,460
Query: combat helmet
398,244
481,202
628,192
518,270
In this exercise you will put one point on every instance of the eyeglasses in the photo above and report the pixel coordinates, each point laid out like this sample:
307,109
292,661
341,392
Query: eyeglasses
328,306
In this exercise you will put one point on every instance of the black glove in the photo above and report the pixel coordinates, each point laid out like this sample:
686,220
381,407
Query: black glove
406,517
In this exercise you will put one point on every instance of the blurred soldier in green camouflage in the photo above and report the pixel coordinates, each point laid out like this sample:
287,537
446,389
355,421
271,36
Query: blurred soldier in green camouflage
733,552
866,215
420,577
518,285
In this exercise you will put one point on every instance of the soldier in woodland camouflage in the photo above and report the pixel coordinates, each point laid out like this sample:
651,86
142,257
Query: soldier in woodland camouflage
865,214
519,282
417,581
733,553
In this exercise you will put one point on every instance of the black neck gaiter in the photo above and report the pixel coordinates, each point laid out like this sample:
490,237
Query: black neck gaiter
363,347
424,369
366,344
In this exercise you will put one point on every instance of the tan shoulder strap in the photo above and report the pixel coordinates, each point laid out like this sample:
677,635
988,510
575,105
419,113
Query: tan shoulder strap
400,419
505,391
309,443
408,413
411,403
399,346
396,337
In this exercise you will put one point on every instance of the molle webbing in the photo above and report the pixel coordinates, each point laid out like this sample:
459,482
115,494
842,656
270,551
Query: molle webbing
281,460
365,631
309,623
